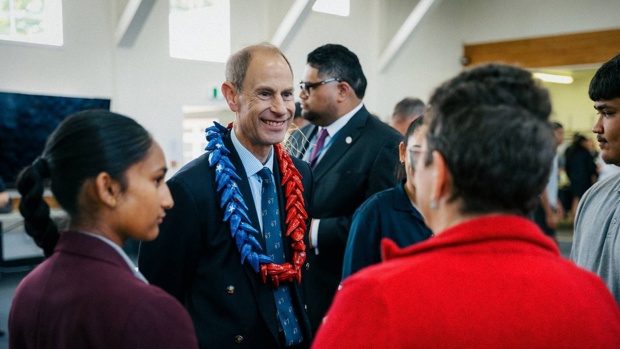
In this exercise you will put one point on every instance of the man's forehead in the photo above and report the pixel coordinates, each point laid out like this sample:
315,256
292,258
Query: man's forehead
602,104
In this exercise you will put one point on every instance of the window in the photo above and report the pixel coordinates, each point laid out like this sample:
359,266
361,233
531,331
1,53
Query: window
200,29
333,7
33,21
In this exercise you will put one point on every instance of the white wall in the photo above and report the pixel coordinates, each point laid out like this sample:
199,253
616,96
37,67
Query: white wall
145,83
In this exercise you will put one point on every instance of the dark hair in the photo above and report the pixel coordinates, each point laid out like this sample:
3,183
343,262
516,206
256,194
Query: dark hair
495,84
401,173
82,146
338,62
556,125
491,126
238,63
408,107
605,84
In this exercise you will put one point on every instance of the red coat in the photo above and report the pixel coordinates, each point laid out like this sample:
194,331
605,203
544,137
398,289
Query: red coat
491,282
85,296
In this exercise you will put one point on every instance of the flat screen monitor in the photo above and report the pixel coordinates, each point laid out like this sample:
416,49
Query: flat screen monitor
27,120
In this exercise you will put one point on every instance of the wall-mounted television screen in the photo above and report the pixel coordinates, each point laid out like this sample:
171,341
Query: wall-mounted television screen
26,121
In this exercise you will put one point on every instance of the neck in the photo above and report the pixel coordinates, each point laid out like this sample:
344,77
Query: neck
410,191
446,216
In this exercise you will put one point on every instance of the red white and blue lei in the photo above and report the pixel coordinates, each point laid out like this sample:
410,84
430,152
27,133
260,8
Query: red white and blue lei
235,210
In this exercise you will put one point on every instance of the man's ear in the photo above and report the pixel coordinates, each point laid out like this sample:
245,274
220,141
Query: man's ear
344,90
108,189
230,94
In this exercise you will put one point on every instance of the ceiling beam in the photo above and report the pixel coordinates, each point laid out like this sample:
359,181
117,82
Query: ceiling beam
403,33
298,12
129,25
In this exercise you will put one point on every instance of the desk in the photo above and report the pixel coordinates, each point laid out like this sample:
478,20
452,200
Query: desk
16,247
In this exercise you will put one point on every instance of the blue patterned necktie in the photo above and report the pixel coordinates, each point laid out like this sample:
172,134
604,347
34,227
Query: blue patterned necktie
275,249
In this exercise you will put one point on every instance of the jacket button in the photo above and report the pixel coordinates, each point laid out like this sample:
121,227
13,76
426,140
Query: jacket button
238,339
307,266
230,289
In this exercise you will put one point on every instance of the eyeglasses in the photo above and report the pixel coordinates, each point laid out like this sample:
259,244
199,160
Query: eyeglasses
306,86
414,156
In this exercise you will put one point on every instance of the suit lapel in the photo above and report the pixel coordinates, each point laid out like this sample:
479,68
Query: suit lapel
344,140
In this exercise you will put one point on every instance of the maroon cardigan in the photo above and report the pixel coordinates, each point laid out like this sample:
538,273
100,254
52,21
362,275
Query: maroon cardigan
86,296
491,282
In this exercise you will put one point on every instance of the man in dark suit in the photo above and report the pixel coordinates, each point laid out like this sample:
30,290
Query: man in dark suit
353,156
215,252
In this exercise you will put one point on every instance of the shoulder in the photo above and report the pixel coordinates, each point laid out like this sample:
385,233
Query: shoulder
198,165
380,130
159,321
377,201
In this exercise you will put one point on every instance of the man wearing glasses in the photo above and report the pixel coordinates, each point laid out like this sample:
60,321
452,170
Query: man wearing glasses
353,155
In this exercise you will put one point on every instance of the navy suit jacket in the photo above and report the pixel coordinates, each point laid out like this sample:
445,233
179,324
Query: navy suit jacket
196,260
85,296
361,161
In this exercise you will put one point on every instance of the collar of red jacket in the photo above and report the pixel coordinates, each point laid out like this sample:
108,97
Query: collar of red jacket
481,230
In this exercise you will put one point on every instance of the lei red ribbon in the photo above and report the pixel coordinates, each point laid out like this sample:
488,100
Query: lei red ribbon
295,221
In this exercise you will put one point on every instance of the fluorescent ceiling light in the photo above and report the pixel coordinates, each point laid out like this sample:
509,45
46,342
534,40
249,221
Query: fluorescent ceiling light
558,79
333,7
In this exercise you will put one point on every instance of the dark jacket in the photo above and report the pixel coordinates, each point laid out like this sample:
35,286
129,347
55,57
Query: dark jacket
85,296
196,260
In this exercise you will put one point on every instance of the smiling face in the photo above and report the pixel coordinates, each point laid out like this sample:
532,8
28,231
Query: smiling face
607,129
265,105
142,205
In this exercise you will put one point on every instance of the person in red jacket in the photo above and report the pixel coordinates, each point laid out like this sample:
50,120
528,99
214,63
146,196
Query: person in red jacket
107,173
489,278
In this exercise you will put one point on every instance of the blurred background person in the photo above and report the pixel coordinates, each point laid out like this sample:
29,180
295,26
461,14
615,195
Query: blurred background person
405,112
388,214
580,169
107,173
549,210
489,278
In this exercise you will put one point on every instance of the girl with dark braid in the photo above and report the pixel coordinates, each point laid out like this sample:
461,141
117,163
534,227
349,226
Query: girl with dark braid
107,173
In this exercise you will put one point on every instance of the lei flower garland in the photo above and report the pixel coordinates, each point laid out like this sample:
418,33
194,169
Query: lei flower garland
235,210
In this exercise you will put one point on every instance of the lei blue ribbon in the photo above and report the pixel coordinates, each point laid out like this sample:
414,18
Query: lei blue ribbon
231,200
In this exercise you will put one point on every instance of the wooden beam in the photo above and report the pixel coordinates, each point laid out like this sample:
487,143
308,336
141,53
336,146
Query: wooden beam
129,25
292,21
405,30
550,51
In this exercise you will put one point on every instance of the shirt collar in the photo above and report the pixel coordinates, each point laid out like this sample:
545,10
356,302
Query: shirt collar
250,163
